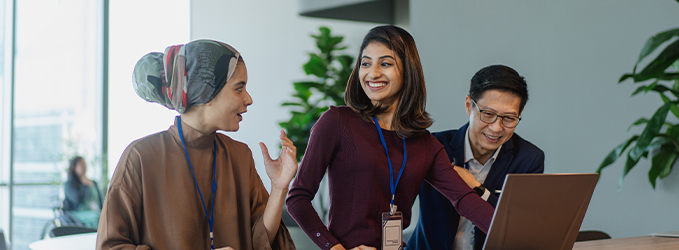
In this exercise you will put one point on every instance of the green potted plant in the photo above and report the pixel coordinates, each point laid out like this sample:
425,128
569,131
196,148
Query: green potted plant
659,138
313,97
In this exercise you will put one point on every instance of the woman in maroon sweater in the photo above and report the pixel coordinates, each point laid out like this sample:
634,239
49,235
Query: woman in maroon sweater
386,86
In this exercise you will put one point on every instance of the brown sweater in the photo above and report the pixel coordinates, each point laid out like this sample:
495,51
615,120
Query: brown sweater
153,202
349,148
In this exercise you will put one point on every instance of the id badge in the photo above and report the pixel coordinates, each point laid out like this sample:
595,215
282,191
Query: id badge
392,230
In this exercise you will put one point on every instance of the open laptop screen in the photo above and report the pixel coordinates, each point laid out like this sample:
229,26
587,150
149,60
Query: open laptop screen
540,211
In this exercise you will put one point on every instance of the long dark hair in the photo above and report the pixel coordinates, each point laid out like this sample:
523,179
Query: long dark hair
410,117
71,169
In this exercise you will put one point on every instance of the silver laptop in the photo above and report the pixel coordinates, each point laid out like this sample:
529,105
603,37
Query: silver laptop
540,211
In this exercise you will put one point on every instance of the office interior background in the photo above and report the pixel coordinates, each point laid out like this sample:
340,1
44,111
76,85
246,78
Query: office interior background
67,89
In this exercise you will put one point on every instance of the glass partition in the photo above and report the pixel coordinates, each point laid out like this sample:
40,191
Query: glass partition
5,111
57,106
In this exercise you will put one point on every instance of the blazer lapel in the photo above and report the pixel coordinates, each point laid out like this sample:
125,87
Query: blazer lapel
457,145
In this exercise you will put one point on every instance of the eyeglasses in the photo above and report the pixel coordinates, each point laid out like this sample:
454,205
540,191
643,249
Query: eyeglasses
490,117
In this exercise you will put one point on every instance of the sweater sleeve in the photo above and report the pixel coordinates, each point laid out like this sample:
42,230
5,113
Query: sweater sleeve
260,237
323,143
121,216
445,179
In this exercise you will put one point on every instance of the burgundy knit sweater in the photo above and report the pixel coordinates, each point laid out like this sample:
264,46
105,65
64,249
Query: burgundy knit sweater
349,149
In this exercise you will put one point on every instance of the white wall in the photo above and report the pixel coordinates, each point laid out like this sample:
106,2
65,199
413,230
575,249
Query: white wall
274,41
133,33
572,53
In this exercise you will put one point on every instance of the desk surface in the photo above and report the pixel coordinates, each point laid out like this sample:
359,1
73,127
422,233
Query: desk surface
89,240
641,242
85,241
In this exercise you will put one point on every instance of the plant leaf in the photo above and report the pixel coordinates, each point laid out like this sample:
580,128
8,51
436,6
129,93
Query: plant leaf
673,132
625,76
675,110
658,66
629,164
662,139
661,89
651,131
639,90
307,85
638,122
669,76
345,60
673,107
653,42
661,163
316,66
292,104
656,87
652,87
616,152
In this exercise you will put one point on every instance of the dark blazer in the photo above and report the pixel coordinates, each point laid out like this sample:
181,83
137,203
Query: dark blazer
439,220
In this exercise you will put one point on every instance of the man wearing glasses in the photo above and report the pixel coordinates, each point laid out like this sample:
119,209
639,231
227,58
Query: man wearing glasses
484,150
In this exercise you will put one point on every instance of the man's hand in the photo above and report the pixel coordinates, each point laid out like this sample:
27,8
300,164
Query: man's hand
467,177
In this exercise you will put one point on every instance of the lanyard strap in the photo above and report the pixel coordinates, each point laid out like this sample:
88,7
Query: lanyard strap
392,185
211,216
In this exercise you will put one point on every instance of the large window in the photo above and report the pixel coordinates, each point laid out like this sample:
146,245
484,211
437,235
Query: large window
53,92
57,105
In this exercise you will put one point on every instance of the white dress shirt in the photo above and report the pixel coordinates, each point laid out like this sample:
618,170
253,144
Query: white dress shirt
464,239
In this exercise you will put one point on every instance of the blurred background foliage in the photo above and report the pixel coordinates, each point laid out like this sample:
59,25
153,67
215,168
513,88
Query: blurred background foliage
313,97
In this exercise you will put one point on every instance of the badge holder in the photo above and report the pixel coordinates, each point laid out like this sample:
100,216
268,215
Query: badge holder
392,229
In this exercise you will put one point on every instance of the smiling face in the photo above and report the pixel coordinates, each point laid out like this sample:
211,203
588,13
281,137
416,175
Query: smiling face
225,110
485,138
381,74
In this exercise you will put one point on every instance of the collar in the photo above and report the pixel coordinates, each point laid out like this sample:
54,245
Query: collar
469,155
192,137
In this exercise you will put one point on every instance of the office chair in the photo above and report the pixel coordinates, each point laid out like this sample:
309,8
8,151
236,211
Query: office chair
70,230
591,235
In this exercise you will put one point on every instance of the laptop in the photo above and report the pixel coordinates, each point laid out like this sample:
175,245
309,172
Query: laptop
540,211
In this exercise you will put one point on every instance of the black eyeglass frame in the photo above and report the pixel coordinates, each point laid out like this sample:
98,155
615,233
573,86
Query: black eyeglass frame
502,117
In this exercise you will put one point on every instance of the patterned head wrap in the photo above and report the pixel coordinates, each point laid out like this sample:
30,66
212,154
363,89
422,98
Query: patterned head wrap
185,75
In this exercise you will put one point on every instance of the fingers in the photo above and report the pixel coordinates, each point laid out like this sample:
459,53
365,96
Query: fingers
225,248
287,144
265,152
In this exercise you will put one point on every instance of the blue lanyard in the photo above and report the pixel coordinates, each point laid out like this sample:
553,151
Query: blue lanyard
211,217
392,185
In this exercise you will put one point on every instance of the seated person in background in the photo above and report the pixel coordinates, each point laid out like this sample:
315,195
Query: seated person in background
488,149
82,194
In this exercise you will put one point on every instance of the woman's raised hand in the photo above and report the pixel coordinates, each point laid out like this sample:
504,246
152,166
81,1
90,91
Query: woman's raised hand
281,170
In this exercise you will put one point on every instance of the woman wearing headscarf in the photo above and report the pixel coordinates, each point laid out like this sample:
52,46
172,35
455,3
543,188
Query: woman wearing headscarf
190,187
